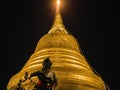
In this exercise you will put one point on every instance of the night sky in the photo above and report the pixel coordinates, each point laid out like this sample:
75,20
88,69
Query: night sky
24,22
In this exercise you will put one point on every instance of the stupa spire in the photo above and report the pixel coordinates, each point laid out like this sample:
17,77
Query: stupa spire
58,23
71,67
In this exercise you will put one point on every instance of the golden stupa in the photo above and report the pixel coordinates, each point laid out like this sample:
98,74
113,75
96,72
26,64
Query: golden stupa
72,69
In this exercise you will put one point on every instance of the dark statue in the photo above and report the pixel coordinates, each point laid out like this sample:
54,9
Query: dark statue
47,79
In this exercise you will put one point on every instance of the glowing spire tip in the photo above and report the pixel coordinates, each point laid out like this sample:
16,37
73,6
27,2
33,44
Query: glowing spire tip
58,2
58,6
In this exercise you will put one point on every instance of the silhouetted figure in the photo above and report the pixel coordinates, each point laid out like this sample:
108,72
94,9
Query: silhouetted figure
19,86
47,79
26,77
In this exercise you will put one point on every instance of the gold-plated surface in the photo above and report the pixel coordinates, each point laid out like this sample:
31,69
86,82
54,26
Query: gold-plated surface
72,70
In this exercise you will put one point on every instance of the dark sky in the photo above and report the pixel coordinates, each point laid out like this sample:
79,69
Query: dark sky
92,23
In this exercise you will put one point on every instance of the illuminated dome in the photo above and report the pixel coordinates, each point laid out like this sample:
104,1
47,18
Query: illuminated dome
72,69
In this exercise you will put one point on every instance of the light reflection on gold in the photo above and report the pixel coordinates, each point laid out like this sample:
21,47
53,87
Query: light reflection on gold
72,69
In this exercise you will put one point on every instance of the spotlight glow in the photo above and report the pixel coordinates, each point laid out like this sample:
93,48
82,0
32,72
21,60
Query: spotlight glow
58,2
58,5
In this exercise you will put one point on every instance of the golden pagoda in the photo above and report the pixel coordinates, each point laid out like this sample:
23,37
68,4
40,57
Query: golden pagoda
72,70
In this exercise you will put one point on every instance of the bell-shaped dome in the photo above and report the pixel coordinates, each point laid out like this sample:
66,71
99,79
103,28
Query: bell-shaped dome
72,69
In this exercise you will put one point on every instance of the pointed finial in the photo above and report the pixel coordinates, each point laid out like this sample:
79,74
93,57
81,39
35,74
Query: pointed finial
58,23
58,6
